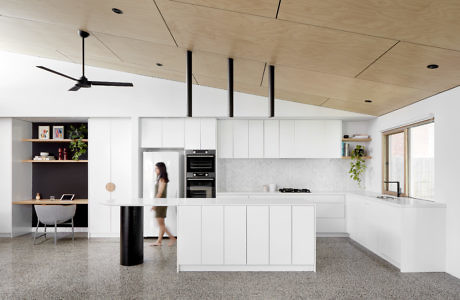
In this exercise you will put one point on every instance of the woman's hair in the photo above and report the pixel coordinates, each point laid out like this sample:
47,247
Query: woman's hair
163,173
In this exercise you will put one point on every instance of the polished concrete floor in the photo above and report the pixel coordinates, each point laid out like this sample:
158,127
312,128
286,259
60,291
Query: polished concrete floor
90,269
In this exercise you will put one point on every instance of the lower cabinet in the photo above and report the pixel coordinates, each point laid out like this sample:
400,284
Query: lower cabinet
246,237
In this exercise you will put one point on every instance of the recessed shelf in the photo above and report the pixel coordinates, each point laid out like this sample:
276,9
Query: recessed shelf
54,161
48,201
51,141
349,157
356,140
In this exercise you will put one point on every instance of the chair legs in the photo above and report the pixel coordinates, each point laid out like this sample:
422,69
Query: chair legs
55,232
45,231
36,229
73,232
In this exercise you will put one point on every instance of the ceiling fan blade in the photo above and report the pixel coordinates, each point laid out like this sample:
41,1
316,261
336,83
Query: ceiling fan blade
109,83
74,88
56,72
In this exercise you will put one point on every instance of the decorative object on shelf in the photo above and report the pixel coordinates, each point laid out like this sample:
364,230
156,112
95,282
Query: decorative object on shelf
65,153
44,132
77,146
52,198
110,187
346,136
345,149
58,132
60,153
44,156
358,164
37,196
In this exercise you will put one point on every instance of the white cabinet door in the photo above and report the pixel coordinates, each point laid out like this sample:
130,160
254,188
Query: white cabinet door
151,133
256,138
280,235
271,139
240,139
225,137
331,146
192,133
98,175
287,139
235,235
303,235
258,235
301,138
173,133
212,235
189,235
208,133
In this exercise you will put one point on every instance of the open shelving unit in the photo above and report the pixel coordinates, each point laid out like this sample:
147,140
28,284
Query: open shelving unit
352,140
54,161
349,157
51,141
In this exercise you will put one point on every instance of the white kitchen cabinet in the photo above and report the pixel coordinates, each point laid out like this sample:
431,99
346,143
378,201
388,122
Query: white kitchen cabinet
225,138
280,235
271,139
212,235
258,235
109,152
318,138
189,235
151,133
192,133
302,143
173,133
287,139
240,139
208,133
235,235
303,235
256,138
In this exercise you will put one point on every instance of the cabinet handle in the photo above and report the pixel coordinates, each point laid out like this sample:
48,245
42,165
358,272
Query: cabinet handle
110,187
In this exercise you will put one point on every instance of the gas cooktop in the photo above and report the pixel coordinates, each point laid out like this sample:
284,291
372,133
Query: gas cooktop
292,190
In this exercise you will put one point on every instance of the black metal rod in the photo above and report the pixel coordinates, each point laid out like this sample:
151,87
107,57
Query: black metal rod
189,83
83,56
271,91
230,87
131,235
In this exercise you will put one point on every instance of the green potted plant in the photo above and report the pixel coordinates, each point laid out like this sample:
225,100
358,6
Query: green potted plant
358,164
77,146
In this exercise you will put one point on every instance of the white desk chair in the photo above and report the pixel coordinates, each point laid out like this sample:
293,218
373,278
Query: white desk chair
54,215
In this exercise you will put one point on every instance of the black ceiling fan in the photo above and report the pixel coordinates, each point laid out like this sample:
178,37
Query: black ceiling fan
83,82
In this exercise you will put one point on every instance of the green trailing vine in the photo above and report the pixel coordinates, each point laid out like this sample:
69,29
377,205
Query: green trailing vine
358,164
77,146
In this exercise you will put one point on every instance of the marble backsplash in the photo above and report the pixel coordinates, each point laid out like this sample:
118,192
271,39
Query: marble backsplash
250,175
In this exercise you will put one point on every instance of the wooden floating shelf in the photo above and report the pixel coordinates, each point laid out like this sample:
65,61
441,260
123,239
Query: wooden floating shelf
356,140
349,157
54,161
51,141
51,202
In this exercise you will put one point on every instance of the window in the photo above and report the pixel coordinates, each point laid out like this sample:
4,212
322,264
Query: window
408,158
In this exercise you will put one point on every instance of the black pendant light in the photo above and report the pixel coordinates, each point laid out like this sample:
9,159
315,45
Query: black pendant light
230,87
271,91
189,83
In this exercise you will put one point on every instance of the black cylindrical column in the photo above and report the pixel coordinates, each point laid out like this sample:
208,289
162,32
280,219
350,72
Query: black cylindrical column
230,87
131,235
189,83
271,91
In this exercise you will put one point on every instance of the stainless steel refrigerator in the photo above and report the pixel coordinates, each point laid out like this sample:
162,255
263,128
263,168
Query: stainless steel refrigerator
175,168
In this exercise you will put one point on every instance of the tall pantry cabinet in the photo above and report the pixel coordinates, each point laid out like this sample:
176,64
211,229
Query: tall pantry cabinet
109,162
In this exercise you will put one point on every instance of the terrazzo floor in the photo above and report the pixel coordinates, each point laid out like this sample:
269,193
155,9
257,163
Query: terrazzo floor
89,269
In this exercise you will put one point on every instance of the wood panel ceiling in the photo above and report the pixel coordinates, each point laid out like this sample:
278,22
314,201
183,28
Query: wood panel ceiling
331,53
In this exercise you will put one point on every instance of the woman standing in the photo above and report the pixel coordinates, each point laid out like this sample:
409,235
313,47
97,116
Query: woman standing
161,189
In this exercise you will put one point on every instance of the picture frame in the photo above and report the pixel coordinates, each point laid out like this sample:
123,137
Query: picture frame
58,132
43,132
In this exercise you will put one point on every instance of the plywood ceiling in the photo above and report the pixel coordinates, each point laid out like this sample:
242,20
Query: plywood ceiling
331,53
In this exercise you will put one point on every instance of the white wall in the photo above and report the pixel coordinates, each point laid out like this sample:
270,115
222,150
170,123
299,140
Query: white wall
6,129
31,92
445,108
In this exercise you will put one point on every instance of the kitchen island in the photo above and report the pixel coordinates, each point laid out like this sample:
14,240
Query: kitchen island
229,234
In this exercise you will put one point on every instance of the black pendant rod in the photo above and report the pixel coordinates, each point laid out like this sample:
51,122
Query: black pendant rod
271,91
83,56
230,87
189,83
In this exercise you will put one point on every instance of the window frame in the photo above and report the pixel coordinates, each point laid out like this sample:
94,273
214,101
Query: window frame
385,136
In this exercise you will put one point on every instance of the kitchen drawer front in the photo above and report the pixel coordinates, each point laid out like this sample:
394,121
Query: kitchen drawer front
327,198
324,225
330,210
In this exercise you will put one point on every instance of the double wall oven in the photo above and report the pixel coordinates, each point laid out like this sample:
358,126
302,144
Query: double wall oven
200,179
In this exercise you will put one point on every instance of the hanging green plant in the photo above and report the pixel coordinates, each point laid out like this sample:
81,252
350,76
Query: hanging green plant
77,146
358,164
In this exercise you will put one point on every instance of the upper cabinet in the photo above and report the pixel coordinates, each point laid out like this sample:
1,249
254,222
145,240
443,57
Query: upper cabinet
190,133
279,138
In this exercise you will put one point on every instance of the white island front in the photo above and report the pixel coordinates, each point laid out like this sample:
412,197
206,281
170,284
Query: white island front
234,234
